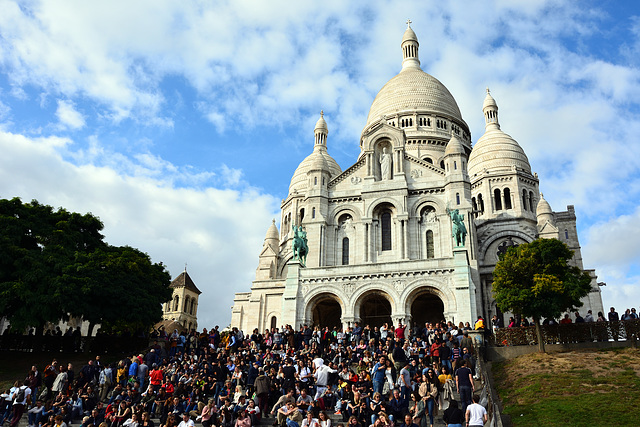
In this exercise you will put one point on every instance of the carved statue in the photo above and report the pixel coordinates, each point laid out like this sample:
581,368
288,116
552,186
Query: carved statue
459,231
385,164
300,247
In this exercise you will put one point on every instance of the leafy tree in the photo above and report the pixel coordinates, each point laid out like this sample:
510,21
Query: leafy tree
55,264
535,280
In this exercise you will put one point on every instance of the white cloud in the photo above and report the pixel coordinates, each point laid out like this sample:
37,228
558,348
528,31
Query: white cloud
68,116
276,64
217,232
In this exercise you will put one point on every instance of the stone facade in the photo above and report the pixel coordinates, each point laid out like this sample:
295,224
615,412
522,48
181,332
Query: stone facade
183,307
380,234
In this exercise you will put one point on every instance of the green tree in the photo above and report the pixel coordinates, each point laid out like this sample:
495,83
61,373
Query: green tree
535,280
54,263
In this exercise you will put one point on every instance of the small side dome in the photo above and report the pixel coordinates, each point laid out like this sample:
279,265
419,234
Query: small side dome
454,146
543,206
495,151
543,212
272,232
318,160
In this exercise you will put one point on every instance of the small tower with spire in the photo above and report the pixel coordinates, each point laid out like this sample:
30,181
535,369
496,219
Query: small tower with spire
490,110
410,48
183,307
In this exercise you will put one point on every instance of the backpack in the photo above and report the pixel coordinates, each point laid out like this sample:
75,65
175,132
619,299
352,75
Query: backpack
20,395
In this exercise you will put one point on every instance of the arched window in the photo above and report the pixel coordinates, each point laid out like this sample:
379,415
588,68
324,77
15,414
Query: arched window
192,310
176,303
385,220
566,234
455,165
315,180
457,198
531,205
497,199
507,198
524,200
313,213
430,250
274,322
428,160
480,203
345,251
301,214
186,305
442,164
475,205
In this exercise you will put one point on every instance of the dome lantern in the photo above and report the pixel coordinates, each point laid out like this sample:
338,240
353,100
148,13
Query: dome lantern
490,110
410,48
321,131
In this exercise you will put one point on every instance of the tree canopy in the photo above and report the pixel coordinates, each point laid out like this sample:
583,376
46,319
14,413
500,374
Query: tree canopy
55,264
536,280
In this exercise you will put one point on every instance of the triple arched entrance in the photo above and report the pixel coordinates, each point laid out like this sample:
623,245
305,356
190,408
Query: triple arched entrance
375,308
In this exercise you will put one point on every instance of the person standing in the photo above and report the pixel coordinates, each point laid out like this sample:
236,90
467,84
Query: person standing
464,385
476,415
21,398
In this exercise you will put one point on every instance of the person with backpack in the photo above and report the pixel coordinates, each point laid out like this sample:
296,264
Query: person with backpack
21,398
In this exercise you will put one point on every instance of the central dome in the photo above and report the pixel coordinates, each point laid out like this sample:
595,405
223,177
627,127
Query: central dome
413,89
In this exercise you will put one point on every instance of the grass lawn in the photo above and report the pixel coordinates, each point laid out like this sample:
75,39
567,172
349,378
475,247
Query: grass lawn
578,388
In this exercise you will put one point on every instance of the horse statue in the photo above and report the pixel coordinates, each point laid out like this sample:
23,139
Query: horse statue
300,248
458,230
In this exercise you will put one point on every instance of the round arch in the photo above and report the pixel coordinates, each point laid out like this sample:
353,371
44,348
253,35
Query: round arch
346,209
439,289
482,250
374,307
269,319
325,309
414,209
426,304
391,134
382,201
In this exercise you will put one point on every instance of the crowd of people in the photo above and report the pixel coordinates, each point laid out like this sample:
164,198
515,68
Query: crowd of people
382,377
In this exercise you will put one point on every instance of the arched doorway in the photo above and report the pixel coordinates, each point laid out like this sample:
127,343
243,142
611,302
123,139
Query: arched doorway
326,312
426,307
375,310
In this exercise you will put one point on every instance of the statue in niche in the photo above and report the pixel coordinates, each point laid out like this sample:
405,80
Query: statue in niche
347,223
429,216
385,164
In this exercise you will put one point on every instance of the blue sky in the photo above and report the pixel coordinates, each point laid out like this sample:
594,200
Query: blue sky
180,124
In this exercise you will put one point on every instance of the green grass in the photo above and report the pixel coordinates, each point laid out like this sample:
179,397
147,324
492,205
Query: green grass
578,394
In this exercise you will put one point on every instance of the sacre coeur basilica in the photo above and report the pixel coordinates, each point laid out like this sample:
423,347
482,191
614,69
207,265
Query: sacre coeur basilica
412,230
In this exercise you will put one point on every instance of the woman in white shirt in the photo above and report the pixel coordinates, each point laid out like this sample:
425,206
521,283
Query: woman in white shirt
324,420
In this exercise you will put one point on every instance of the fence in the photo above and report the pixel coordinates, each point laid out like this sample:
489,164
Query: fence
572,333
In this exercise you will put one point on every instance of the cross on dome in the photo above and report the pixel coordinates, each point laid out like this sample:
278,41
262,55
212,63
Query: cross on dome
409,23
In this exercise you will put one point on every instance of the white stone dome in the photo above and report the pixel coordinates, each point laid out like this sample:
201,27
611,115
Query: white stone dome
272,232
454,146
318,160
414,90
543,208
497,151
